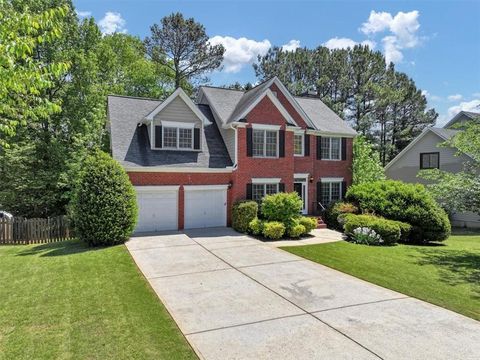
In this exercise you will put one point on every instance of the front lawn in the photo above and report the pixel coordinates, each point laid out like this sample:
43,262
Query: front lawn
445,274
67,301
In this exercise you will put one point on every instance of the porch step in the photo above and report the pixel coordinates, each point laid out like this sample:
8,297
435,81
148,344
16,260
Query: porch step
320,223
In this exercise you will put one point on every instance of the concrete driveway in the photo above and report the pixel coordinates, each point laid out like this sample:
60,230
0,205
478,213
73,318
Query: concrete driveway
235,297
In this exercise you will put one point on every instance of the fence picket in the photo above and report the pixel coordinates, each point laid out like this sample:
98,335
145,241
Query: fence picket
34,231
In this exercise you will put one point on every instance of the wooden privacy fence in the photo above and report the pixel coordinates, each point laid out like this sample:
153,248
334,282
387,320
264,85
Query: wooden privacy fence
34,231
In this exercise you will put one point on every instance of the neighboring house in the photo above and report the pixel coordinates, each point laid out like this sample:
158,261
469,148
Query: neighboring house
189,162
424,153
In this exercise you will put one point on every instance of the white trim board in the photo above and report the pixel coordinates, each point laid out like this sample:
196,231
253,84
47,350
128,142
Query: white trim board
204,187
150,188
266,180
331,179
158,169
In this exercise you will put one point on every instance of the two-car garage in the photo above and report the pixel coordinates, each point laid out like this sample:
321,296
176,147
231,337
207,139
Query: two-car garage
169,207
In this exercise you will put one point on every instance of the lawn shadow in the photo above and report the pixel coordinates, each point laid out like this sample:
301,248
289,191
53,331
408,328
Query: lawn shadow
456,267
60,248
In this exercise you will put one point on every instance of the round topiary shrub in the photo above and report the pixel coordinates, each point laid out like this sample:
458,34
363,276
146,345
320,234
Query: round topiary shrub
408,203
336,209
273,230
104,206
243,212
256,226
282,207
309,223
296,231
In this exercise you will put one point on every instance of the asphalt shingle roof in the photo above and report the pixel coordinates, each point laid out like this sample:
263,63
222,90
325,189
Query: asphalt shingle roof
130,142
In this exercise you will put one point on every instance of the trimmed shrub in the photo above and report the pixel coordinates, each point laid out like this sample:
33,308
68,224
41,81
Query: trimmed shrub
243,212
335,210
273,230
388,230
282,207
309,223
408,203
296,231
256,226
405,230
365,236
104,205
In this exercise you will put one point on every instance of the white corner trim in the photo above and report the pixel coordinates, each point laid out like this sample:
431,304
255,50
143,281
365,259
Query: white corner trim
186,99
204,187
306,175
150,188
163,169
266,180
265,127
331,179
178,124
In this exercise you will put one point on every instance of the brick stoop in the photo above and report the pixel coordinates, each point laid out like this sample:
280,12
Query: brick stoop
320,223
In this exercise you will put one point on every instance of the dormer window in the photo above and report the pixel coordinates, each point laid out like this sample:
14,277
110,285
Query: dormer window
172,135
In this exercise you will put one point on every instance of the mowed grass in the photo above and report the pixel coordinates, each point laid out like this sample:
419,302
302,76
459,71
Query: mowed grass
68,301
445,274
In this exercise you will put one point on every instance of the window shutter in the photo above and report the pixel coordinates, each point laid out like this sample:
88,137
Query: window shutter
196,139
281,187
319,148
344,189
281,143
344,148
319,195
249,142
158,136
249,192
306,144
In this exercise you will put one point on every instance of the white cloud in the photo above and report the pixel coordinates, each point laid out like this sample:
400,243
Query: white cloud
403,29
476,95
430,96
83,14
240,52
473,105
111,23
292,45
343,43
455,97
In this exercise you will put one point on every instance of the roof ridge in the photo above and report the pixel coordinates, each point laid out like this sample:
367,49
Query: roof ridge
134,97
221,88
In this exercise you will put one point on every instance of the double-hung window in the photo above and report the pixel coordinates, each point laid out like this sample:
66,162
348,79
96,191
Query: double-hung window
177,136
265,143
260,190
298,146
331,148
430,160
331,191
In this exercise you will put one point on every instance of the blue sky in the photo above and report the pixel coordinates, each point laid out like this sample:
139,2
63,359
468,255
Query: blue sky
437,43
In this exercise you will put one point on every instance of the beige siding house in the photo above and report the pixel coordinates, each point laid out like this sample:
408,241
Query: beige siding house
424,152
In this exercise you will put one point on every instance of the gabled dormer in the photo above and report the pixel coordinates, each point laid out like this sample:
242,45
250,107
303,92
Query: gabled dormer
177,124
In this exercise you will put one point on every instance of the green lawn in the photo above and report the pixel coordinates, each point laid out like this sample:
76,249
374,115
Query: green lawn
68,301
447,275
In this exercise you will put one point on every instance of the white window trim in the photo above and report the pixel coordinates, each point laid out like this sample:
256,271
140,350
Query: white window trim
264,129
178,124
177,148
301,133
330,148
266,180
264,184
331,179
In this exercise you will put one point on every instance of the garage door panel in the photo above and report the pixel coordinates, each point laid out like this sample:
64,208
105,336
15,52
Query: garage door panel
157,210
205,208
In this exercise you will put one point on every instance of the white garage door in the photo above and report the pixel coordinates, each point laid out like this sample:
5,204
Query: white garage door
205,206
157,208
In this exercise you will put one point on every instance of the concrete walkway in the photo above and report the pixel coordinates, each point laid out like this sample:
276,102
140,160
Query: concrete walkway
236,298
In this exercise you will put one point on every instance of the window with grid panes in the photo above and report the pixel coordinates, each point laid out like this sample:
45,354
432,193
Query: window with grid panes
169,137
298,144
265,143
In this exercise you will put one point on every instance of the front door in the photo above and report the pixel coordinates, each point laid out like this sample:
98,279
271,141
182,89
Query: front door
300,186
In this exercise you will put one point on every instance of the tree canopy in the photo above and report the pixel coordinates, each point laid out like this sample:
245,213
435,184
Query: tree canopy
366,166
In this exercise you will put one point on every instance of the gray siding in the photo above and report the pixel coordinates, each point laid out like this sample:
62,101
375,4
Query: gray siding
177,110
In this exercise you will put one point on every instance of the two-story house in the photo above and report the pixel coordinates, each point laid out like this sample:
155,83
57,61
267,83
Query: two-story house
189,162
426,152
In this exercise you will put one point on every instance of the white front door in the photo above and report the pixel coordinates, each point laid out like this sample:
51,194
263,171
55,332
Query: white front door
205,206
157,208
300,185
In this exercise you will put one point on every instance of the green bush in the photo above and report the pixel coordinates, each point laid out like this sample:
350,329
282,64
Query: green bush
365,236
296,231
243,213
282,207
256,226
405,230
309,223
104,205
388,230
335,210
273,230
409,203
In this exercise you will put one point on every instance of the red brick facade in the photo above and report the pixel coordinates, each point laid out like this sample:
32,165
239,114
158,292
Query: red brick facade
265,112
